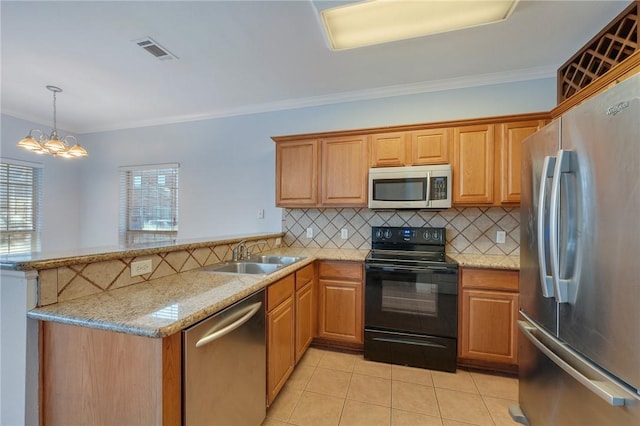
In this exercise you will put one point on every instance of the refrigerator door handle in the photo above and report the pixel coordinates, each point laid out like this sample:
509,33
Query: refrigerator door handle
598,383
563,165
546,280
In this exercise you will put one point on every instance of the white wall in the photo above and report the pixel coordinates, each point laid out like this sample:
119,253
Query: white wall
61,186
227,165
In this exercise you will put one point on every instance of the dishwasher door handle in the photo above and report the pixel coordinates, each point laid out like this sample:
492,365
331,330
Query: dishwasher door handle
245,315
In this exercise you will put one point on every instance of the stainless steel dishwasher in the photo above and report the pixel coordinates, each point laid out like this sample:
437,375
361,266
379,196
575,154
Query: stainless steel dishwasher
224,370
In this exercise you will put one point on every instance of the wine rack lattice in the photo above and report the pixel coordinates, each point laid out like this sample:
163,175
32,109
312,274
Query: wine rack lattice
611,46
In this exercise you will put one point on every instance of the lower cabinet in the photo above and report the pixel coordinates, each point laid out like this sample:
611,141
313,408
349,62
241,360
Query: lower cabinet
306,311
488,314
341,308
291,325
280,334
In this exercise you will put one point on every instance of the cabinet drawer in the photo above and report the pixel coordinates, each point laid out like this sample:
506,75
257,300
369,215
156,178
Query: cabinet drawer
280,291
343,270
303,276
491,279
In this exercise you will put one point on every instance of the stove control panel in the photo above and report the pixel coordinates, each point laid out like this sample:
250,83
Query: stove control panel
411,235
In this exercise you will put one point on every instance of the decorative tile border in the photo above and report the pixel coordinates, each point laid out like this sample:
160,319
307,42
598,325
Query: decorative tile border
469,230
74,281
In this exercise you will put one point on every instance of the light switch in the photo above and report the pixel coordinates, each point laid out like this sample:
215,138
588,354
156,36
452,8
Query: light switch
500,237
309,232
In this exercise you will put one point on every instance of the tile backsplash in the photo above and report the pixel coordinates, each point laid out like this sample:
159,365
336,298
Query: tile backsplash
469,230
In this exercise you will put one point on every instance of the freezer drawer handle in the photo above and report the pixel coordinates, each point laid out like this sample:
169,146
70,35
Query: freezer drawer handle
246,314
602,389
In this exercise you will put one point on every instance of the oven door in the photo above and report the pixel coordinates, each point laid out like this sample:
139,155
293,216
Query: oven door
414,300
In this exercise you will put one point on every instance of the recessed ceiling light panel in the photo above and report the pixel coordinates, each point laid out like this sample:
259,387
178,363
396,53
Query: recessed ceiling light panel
381,21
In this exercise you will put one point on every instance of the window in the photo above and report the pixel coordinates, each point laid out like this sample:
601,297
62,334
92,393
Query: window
20,204
148,203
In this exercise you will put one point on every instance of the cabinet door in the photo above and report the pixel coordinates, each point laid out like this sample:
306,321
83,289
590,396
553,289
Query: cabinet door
340,316
430,146
344,171
304,319
508,160
297,173
389,149
280,347
473,162
488,331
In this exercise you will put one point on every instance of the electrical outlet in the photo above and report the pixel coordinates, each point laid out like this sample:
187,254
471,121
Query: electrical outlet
309,232
260,213
500,237
141,267
344,233
278,242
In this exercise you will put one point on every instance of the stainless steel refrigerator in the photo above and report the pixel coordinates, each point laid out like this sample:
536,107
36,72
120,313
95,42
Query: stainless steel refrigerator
579,324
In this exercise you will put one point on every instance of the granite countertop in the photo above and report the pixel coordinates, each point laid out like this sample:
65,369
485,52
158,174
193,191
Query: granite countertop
55,259
164,306
486,261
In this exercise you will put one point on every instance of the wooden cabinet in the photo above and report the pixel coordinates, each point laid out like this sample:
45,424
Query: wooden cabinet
92,376
341,308
430,146
297,173
508,158
331,172
473,164
306,310
415,148
389,149
489,310
280,335
344,171
331,169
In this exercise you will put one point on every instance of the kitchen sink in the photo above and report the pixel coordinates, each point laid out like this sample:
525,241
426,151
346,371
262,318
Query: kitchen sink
252,268
271,258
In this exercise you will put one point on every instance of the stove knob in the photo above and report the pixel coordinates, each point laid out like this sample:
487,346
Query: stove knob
426,236
387,234
436,235
379,234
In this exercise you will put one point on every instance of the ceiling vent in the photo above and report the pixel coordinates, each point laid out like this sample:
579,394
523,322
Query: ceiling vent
154,48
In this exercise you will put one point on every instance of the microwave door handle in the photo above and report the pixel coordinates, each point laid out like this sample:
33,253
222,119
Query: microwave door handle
428,191
546,280
563,165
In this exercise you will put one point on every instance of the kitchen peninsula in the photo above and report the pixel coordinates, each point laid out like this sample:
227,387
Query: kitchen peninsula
94,290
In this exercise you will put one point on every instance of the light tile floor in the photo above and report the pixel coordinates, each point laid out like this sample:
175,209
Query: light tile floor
332,388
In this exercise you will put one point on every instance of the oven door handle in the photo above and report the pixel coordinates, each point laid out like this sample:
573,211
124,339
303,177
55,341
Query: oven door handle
408,341
392,268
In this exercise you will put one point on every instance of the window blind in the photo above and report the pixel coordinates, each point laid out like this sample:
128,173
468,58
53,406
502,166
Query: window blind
148,203
20,206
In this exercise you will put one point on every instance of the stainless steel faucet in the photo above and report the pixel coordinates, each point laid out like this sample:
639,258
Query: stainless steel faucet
237,252
247,250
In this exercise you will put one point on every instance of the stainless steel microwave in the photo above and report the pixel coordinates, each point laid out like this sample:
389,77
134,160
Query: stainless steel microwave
415,187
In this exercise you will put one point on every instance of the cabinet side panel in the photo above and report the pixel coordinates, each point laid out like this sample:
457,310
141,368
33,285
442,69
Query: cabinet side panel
99,377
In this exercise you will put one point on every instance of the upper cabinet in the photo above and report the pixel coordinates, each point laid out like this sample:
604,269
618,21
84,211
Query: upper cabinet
344,171
389,149
322,172
331,169
297,173
473,163
508,157
411,148
430,146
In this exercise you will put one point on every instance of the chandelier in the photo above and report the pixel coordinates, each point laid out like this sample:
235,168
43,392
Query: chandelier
53,144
